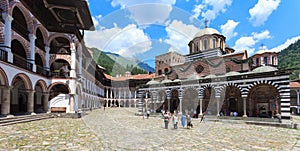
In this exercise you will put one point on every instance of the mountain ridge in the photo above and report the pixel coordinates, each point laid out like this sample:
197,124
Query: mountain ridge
116,64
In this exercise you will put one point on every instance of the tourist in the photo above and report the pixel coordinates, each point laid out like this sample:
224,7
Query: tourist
175,120
189,122
183,119
148,114
235,114
202,117
166,120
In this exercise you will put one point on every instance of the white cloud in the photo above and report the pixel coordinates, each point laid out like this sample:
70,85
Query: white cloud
145,12
262,10
127,41
248,42
128,3
150,13
197,10
179,35
210,14
286,44
260,36
228,29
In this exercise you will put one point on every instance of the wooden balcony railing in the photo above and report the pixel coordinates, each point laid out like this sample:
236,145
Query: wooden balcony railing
41,71
21,62
59,74
3,55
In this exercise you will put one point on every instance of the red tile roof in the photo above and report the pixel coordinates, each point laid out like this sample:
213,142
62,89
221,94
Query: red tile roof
295,84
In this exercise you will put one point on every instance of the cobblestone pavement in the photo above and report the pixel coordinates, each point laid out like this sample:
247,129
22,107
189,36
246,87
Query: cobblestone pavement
52,134
120,129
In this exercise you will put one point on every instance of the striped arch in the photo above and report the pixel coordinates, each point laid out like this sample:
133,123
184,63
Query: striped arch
25,12
262,82
3,78
206,86
23,42
53,58
55,83
56,35
223,87
43,30
41,54
25,78
43,84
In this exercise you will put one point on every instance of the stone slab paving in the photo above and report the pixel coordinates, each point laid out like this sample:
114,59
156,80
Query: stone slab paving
51,134
119,129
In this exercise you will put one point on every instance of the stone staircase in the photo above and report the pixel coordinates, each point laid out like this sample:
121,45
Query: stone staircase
23,119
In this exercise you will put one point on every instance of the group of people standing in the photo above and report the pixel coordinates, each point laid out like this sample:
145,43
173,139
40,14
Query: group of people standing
186,120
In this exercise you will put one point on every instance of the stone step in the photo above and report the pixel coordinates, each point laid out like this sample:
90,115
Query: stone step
23,119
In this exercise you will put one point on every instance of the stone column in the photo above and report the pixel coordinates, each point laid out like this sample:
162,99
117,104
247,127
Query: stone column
7,36
180,104
201,105
218,106
47,58
146,104
245,106
5,104
46,102
169,107
30,103
72,103
32,38
73,60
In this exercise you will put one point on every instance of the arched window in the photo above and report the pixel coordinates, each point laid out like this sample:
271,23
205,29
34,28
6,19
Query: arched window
197,46
214,43
159,72
205,44
265,60
166,70
221,43
257,61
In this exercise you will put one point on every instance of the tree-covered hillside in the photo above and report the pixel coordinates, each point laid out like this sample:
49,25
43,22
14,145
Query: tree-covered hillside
290,58
113,68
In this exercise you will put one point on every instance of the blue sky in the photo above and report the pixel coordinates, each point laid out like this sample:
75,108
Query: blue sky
146,28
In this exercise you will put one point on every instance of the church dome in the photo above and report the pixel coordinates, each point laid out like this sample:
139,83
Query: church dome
152,82
264,69
206,31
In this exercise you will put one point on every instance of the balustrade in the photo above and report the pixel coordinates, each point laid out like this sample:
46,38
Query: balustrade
3,55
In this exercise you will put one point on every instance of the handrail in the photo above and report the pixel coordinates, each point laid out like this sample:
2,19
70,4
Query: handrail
3,55
21,62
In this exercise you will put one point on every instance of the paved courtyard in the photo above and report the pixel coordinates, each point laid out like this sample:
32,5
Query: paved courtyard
120,129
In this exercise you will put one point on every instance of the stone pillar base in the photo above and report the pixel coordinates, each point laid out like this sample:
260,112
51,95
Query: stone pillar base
245,116
32,113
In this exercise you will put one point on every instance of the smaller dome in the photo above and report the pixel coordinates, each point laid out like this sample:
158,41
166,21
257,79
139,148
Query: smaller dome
152,82
194,77
232,73
211,76
206,31
177,80
264,69
166,80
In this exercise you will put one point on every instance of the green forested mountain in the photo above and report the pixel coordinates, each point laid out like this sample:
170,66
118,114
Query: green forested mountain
112,67
290,58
